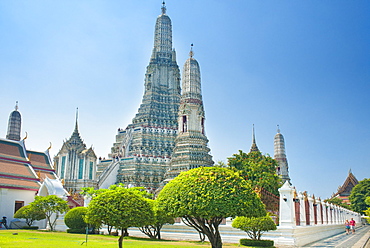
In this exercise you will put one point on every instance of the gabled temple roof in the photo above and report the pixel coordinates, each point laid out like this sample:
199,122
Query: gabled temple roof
346,188
39,160
16,171
12,150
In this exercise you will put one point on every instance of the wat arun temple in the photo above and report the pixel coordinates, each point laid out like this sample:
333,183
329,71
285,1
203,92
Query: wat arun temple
167,135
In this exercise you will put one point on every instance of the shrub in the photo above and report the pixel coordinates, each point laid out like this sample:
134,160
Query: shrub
76,230
254,226
30,227
30,213
74,219
261,243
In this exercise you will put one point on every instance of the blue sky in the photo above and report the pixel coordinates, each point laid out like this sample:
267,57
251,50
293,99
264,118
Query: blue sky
304,65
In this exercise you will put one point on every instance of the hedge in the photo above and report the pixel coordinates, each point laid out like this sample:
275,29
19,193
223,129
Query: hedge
76,230
30,227
261,243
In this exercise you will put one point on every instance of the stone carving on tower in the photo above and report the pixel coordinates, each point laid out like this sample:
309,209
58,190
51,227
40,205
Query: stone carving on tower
14,125
280,156
142,151
191,150
76,164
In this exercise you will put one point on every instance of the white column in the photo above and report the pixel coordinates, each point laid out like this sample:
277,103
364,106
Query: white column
302,209
330,211
286,211
310,204
318,208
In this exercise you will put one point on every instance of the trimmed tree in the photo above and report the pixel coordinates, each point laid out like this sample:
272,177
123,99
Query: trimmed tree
153,230
30,214
204,196
50,205
359,194
120,208
74,219
259,169
254,226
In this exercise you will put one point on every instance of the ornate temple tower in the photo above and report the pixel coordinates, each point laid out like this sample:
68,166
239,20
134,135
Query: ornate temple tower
280,156
14,125
191,150
143,150
76,164
254,147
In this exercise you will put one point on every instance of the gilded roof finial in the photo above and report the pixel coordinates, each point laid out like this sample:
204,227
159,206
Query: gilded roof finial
26,136
49,147
163,8
191,54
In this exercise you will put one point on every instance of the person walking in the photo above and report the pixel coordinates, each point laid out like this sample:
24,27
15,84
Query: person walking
347,226
3,222
352,224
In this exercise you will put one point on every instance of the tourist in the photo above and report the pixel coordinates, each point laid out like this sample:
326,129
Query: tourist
3,222
347,226
352,224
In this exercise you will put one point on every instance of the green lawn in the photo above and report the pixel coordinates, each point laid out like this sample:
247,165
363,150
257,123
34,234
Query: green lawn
32,239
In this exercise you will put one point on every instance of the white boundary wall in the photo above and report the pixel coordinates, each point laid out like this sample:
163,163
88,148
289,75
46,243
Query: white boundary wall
295,230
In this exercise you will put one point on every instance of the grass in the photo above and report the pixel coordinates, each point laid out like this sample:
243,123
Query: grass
33,238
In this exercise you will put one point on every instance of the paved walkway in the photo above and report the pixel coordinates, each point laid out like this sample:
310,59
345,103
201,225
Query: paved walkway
358,240
361,239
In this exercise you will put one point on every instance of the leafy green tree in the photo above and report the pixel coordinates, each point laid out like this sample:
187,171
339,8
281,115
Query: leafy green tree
254,226
367,200
30,214
74,219
359,194
50,205
120,208
367,211
337,201
204,196
153,230
257,168
92,192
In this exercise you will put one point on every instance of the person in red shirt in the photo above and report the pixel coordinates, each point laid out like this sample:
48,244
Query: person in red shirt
352,224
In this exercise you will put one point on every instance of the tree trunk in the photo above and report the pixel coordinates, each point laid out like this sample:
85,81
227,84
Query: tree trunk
109,229
125,232
215,239
208,228
120,240
158,232
202,237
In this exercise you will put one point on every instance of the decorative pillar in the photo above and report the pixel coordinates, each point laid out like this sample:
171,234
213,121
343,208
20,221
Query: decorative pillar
326,213
306,208
286,210
330,208
314,204
297,209
319,211
311,210
302,209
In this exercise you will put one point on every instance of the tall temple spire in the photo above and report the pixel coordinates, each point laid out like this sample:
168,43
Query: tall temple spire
76,126
163,8
280,156
143,150
191,149
162,36
75,137
254,147
14,125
